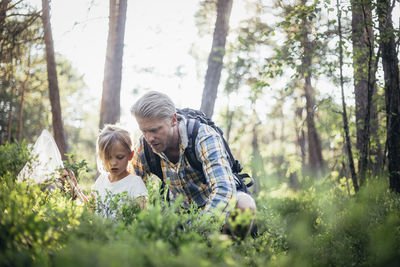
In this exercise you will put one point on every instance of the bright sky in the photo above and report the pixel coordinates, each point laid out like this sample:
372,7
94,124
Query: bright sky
158,36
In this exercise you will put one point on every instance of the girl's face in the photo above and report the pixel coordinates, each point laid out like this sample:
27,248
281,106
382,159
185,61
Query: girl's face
116,162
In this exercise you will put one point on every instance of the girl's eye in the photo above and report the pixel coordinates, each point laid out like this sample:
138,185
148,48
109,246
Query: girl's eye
120,157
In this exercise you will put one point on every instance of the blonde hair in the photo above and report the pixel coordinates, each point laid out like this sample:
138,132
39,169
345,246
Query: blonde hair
154,105
110,135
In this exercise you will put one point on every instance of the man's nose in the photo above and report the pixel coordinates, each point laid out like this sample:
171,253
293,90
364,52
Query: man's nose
149,137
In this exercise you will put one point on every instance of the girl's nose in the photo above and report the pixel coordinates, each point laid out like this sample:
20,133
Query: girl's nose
113,162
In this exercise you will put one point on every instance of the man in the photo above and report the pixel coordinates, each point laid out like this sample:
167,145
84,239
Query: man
166,133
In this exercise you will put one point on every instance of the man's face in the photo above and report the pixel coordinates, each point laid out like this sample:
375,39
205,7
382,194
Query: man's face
158,133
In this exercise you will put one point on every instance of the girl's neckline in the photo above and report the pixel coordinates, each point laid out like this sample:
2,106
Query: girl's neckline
116,181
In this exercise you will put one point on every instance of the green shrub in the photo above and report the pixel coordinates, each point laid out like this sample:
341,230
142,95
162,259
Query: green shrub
320,225
13,157
33,223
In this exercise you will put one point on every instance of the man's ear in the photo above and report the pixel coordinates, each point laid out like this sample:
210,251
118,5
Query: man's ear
131,155
174,120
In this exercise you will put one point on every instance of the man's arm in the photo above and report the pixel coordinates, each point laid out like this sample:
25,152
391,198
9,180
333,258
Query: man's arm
216,169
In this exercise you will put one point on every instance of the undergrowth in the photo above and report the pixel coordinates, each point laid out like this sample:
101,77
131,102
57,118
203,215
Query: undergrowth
320,225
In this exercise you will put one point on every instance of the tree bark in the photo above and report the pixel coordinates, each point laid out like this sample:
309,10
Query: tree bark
344,113
257,165
215,59
390,64
229,117
3,13
110,101
22,100
3,16
54,94
9,123
21,108
364,81
316,162
300,136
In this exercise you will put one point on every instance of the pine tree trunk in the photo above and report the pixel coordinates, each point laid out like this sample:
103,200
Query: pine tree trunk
344,112
390,64
363,45
22,100
316,162
215,59
229,118
3,16
300,136
53,82
9,123
110,101
21,109
257,165
315,159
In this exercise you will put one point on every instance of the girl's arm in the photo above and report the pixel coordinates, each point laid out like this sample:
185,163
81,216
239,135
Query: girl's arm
70,177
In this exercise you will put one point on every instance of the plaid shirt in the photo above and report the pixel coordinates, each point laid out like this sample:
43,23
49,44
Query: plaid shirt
213,187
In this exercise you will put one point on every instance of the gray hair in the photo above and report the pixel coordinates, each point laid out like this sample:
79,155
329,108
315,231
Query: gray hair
154,105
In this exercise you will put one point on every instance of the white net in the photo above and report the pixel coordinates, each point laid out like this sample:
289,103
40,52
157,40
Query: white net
47,160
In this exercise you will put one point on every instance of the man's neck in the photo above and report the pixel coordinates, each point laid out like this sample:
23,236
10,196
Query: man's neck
172,151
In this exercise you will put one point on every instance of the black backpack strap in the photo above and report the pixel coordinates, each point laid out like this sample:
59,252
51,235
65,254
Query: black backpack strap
154,162
235,165
192,128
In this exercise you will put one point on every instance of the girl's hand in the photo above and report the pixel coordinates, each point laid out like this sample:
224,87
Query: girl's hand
68,174
142,202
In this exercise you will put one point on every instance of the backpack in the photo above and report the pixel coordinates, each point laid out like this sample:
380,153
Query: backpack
194,119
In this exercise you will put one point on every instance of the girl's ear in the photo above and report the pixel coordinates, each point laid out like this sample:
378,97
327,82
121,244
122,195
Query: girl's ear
131,155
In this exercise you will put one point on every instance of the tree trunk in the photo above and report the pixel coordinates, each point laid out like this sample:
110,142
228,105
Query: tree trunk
344,113
229,118
257,165
390,64
53,82
110,101
364,80
314,143
300,136
315,159
9,123
3,16
215,59
10,108
21,108
22,100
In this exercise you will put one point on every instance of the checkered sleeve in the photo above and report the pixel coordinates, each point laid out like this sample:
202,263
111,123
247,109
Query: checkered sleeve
216,169
138,165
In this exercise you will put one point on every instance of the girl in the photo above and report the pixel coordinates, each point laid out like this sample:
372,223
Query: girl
114,153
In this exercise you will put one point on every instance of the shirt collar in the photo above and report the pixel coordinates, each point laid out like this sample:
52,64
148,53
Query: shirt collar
182,131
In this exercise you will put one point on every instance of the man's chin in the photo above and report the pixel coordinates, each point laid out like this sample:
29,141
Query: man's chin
157,148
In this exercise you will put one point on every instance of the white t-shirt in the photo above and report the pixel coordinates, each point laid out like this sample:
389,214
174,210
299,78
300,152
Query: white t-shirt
132,184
